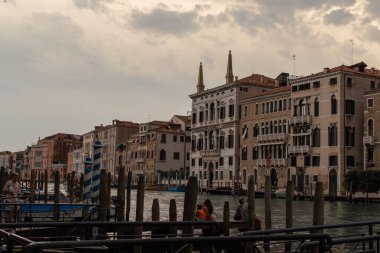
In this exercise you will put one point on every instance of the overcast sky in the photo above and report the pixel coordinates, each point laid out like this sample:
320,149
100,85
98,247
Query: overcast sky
68,65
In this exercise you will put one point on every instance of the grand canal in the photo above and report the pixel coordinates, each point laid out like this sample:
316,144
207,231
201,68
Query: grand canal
335,212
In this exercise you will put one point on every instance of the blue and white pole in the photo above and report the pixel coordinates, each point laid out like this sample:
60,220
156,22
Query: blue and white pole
87,180
96,170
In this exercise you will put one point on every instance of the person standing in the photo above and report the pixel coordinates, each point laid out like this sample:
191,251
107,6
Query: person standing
12,191
239,208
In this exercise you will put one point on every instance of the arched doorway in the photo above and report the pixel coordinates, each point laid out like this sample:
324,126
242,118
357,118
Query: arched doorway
273,178
333,183
211,174
300,180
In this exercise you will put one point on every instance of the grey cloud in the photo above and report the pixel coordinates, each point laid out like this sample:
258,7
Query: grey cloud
163,21
373,8
338,17
96,5
373,33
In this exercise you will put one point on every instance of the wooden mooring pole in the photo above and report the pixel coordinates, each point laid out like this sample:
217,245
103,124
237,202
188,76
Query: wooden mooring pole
32,186
289,212
57,181
268,209
120,198
190,202
129,188
139,210
251,203
46,180
103,196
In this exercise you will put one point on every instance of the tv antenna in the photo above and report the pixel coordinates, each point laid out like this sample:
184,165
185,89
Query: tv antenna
294,64
352,51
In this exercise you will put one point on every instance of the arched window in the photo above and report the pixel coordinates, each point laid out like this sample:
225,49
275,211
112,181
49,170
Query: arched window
334,105
280,126
262,128
262,108
267,107
332,135
245,132
317,137
212,109
284,126
266,128
302,107
275,127
256,130
316,107
284,105
271,106
370,127
275,106
280,105
271,127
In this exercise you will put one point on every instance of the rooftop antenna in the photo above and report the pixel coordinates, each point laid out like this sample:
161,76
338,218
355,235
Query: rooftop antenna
352,51
294,64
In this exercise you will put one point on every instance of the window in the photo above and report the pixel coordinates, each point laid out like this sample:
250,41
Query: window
182,138
275,106
293,161
193,144
271,106
316,84
255,153
333,160
262,108
257,109
350,107
221,175
315,161
162,155
200,162
187,155
174,138
230,161
316,107
267,107
245,111
230,141
370,127
194,118
284,107
230,175
221,161
370,103
294,88
163,138
349,81
307,160
244,153
316,137
201,116
350,161
334,105
245,132
231,110
222,112
176,156
280,105
332,135
373,85
333,80
221,142
315,178
256,130
349,136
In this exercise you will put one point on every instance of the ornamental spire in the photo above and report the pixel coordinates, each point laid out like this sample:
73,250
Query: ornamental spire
229,75
200,85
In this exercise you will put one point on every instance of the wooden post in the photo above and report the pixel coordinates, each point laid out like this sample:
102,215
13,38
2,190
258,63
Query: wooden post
103,184
139,210
289,211
190,203
318,211
32,186
129,188
251,203
81,187
268,209
172,216
109,182
2,179
120,199
46,181
155,216
226,219
57,181
72,187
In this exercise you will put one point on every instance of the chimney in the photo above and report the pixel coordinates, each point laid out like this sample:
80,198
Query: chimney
326,70
261,79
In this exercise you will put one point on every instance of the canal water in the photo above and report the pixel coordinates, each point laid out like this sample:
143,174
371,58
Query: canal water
335,212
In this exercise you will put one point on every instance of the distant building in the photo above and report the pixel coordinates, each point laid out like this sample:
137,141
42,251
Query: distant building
160,148
326,125
215,128
371,138
75,162
18,163
50,154
6,160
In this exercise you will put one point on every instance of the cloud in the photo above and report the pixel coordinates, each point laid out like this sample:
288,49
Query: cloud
373,8
95,5
161,20
373,33
338,17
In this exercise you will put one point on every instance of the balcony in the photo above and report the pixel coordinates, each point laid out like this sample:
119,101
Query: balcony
303,119
140,160
279,162
298,149
369,140
210,153
261,162
271,137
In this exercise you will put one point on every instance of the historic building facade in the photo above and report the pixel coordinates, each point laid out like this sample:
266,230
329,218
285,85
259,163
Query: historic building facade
264,136
326,126
160,147
215,128
371,138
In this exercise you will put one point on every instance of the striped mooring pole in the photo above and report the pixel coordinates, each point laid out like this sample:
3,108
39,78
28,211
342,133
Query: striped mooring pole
96,171
87,180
